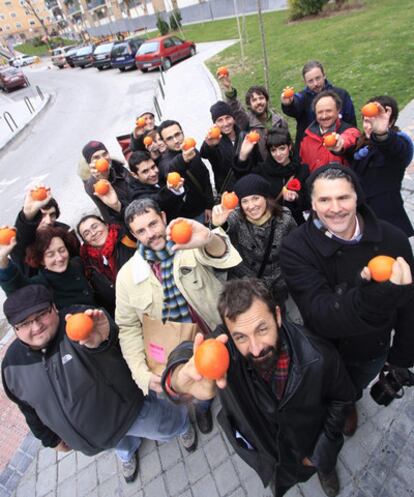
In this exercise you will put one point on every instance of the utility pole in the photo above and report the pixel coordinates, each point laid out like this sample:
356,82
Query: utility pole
262,32
240,33
27,4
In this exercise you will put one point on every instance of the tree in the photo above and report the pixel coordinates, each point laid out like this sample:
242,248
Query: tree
262,32
27,4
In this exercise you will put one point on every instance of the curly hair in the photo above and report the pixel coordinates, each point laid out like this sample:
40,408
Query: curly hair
36,251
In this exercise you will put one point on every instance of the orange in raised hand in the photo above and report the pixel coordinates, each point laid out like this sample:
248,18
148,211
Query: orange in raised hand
102,165
253,137
39,193
6,234
101,187
147,141
140,122
222,71
214,132
229,200
370,110
79,326
181,232
380,267
212,359
173,179
329,140
189,143
288,92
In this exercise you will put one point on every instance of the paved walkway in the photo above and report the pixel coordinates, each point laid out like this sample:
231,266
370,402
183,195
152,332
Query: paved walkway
376,462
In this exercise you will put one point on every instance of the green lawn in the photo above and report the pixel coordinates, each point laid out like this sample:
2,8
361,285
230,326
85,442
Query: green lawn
369,51
29,49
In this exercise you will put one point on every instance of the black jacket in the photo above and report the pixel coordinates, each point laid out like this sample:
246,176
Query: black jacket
118,175
85,397
323,277
306,422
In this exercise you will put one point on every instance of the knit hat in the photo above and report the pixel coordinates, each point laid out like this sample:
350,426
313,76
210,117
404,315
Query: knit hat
252,184
145,112
219,109
90,148
25,301
345,170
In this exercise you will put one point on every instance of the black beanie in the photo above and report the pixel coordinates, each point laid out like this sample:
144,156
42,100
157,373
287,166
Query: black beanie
219,109
252,184
344,169
90,148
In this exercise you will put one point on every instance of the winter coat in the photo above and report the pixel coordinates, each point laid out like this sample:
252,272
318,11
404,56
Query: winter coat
273,437
380,167
301,109
251,241
323,277
314,153
69,288
85,397
139,292
118,175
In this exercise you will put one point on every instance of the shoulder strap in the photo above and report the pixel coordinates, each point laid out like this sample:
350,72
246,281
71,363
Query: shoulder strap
268,248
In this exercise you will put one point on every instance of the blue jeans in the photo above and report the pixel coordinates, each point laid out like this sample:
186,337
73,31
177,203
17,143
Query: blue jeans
362,373
158,419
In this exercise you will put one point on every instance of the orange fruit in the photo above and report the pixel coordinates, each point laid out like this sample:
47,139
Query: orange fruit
380,267
140,122
101,187
214,132
79,326
253,137
147,141
102,165
39,193
229,200
181,232
173,179
288,92
212,359
370,110
6,234
329,140
189,143
222,71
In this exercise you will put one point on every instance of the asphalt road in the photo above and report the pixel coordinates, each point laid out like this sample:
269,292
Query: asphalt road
86,104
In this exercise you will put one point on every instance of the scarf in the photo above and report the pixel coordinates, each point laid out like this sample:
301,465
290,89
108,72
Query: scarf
260,222
103,258
274,169
175,307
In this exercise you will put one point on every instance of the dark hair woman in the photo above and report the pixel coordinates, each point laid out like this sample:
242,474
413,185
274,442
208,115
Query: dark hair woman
256,228
380,159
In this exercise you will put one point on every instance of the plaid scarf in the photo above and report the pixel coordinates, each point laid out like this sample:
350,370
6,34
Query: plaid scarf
278,376
174,307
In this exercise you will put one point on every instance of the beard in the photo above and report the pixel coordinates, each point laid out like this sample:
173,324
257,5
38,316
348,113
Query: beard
265,361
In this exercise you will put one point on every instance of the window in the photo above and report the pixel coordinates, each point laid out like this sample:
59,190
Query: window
8,2
13,14
32,23
168,43
2,16
18,25
7,27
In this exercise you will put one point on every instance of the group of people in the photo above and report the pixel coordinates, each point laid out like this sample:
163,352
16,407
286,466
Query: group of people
309,219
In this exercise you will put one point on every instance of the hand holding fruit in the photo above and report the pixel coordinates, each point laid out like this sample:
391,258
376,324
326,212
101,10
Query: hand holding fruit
187,380
98,170
383,268
223,77
213,136
105,192
36,198
174,181
220,215
333,142
89,328
187,233
139,129
287,95
289,195
246,148
7,244
380,122
188,149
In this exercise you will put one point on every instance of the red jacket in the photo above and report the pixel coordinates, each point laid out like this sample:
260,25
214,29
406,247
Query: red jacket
315,154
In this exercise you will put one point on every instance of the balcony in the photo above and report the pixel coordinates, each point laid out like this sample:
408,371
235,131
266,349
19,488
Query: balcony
95,4
50,4
73,7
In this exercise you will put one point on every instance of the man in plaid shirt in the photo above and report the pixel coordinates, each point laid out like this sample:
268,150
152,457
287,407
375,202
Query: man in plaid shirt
284,396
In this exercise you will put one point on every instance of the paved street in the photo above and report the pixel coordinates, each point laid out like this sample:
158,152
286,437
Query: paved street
376,462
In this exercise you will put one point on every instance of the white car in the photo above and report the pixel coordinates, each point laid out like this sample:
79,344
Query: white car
24,60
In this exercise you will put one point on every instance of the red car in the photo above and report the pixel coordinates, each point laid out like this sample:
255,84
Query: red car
10,77
163,52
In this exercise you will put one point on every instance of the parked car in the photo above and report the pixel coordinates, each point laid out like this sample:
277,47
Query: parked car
23,60
163,51
123,53
59,56
70,54
10,77
102,55
83,57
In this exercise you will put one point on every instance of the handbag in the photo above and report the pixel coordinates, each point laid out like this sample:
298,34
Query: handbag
160,339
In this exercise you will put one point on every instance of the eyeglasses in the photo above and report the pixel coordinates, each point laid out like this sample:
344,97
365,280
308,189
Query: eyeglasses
177,136
26,325
93,229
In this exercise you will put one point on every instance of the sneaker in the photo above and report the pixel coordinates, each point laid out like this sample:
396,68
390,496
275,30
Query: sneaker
189,439
329,483
130,468
351,421
204,420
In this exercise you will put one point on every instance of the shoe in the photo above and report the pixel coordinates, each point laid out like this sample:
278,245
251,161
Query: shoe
189,439
204,420
329,483
351,422
130,468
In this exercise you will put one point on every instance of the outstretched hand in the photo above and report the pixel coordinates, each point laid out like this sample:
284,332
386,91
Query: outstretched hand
30,206
100,330
199,238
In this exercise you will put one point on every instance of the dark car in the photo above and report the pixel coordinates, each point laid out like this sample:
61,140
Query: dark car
163,52
10,77
70,54
102,55
83,57
123,53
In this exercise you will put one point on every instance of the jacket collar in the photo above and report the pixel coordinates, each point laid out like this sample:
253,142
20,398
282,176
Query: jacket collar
140,268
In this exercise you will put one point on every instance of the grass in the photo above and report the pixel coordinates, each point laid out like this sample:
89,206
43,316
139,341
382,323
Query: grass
28,48
368,51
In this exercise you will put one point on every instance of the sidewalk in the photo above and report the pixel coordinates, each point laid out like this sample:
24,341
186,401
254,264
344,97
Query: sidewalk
376,462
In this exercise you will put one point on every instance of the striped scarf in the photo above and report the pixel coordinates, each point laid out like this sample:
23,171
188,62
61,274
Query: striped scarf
174,307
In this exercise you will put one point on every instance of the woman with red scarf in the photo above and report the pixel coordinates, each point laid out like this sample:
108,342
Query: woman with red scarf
105,249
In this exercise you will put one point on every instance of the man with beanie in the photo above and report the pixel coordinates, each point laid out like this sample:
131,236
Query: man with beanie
111,205
324,262
221,151
78,393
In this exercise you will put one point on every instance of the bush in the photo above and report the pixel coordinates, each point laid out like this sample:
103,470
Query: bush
303,8
163,26
175,20
37,41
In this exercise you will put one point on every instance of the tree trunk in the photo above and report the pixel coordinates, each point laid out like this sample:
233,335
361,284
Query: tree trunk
28,4
262,32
